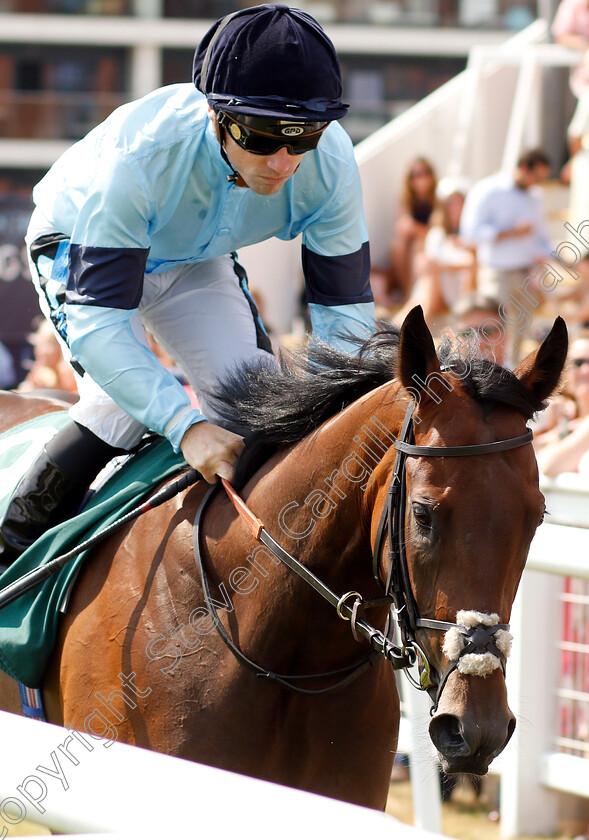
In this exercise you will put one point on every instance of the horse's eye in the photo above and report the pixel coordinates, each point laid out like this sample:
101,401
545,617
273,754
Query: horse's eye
422,515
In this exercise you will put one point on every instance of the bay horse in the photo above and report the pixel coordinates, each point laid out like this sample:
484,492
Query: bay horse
336,443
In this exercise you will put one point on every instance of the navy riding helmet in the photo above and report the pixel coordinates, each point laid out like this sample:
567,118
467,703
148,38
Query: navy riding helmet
270,61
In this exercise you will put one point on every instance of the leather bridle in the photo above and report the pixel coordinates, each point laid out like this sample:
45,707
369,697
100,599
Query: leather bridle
404,612
479,638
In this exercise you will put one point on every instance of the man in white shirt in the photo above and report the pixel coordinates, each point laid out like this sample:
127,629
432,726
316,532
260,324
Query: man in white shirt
503,219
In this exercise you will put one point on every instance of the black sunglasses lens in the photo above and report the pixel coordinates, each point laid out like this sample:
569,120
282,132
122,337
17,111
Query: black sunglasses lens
261,144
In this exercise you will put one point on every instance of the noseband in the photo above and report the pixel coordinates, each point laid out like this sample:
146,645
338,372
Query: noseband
478,634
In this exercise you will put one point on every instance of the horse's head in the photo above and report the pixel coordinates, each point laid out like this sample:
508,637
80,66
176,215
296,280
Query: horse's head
449,509
469,517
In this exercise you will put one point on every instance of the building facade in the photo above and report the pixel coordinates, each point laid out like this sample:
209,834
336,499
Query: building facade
66,64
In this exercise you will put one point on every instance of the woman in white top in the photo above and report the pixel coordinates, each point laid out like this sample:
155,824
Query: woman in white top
446,270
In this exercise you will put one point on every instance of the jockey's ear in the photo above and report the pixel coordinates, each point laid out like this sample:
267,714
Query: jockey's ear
540,372
212,114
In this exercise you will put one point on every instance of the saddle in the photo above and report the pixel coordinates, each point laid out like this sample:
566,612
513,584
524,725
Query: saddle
28,625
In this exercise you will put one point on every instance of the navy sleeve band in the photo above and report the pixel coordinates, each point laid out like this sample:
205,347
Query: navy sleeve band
106,276
332,281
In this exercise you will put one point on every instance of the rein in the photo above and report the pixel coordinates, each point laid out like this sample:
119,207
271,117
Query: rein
475,636
382,647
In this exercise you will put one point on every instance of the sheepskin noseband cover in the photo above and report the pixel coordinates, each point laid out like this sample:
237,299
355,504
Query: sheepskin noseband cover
483,663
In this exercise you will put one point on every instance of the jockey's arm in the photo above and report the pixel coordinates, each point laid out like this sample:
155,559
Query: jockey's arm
102,340
336,266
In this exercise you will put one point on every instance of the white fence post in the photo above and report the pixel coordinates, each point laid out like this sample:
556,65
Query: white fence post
424,768
526,806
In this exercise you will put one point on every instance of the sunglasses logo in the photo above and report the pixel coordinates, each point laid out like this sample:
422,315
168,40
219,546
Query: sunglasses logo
235,131
292,130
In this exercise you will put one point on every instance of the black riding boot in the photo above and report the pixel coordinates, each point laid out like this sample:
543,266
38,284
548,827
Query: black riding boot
53,488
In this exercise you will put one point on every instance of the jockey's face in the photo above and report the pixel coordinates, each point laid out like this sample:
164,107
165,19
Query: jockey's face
264,174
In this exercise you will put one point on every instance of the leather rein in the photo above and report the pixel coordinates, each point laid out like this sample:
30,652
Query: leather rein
398,592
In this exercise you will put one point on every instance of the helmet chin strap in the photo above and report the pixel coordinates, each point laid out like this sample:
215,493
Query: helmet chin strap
235,174
234,177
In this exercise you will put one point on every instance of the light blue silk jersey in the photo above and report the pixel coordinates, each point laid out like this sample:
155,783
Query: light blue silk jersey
147,191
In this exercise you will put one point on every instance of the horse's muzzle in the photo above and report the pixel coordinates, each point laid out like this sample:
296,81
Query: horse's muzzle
466,734
459,752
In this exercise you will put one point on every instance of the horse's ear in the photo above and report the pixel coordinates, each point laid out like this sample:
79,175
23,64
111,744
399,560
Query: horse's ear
540,372
416,358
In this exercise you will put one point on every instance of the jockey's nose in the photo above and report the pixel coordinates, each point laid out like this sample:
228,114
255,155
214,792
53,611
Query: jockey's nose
281,162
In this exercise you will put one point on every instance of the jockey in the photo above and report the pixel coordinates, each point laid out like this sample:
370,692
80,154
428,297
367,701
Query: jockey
136,226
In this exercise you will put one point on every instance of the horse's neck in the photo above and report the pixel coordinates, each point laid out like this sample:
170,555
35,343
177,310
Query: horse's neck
321,490
316,500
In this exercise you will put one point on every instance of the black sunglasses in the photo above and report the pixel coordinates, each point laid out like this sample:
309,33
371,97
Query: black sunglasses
297,138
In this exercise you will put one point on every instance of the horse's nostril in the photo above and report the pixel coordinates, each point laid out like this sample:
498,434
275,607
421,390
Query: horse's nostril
447,735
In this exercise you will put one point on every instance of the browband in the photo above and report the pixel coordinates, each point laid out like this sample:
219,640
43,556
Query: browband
456,451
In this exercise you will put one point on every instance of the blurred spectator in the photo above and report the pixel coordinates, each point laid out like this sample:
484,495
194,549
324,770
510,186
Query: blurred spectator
48,369
562,445
417,204
571,28
479,325
504,220
7,371
573,301
446,270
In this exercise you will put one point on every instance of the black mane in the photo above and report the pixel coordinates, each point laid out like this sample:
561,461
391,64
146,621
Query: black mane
314,384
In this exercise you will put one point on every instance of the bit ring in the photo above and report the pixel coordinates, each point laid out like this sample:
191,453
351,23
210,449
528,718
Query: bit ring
343,600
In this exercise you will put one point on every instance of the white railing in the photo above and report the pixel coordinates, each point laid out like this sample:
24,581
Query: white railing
534,770
72,783
470,124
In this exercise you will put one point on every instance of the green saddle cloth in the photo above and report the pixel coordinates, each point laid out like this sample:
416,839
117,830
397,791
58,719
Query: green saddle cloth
28,626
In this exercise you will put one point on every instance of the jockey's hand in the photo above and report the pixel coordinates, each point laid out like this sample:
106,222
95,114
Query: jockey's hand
211,450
